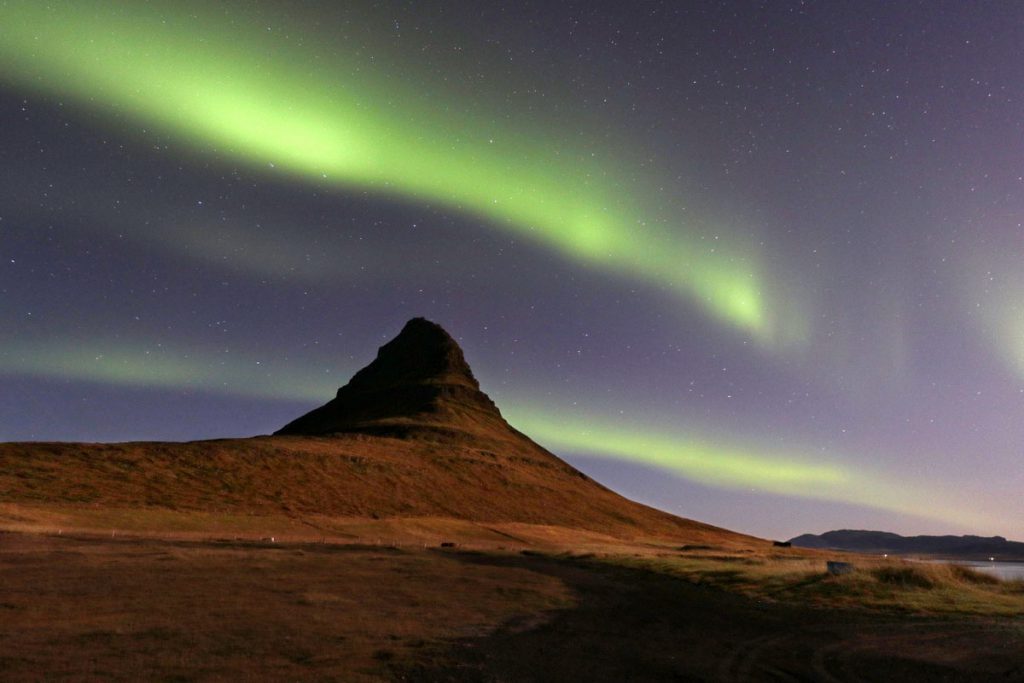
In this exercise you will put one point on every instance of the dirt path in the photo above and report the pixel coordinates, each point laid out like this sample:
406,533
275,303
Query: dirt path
633,625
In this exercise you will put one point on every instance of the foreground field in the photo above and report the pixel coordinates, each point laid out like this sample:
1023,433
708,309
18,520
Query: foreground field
131,609
128,608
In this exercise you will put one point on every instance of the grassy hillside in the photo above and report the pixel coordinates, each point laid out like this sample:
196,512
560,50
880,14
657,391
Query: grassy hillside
344,476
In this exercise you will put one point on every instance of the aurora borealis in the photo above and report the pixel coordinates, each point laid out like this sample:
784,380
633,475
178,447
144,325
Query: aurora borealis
722,258
235,86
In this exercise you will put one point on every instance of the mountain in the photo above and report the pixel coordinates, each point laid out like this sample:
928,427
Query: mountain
419,382
966,547
410,447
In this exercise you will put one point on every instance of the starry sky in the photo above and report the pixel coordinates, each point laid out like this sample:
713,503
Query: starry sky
758,264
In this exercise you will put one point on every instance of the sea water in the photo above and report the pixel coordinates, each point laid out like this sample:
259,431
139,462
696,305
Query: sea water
1007,571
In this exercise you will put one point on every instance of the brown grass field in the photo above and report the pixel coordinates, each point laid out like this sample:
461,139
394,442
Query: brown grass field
484,475
141,609
87,607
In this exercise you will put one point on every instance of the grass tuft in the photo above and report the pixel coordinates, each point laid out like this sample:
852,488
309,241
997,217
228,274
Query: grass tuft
904,577
968,575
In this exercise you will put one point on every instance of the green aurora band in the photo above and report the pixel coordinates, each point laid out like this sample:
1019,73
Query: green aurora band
994,302
158,365
235,88
737,466
712,461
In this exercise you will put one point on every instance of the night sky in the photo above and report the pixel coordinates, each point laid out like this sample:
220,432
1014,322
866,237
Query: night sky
759,264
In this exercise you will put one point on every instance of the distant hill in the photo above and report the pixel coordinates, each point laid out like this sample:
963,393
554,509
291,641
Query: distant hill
965,547
410,437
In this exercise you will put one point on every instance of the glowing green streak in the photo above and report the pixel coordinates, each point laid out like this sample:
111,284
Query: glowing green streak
1002,320
159,366
993,297
256,97
732,466
690,457
1007,326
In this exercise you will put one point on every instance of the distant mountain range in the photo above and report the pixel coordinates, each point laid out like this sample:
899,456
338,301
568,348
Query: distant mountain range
962,547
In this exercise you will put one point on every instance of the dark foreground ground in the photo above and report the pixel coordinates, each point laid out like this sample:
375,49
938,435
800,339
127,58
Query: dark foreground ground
131,609
642,626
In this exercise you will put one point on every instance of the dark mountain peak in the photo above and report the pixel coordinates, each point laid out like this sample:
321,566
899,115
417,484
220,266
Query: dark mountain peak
419,380
423,352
